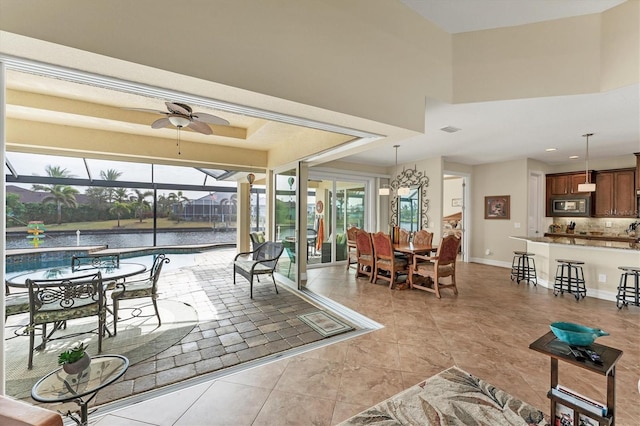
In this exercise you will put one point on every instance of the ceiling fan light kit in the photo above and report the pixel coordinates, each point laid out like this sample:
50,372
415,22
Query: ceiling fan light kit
182,116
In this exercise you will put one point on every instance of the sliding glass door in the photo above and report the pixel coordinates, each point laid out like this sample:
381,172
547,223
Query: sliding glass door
333,207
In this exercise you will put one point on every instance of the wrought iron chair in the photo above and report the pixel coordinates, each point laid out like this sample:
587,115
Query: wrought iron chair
139,288
385,259
57,302
266,259
95,261
366,262
442,265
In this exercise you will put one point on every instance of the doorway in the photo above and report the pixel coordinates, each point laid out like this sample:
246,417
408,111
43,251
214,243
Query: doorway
456,209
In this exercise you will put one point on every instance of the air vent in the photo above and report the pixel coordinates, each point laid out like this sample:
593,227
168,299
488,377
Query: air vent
450,129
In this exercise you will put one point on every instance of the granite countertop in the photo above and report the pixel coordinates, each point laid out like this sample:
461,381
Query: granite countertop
583,242
589,236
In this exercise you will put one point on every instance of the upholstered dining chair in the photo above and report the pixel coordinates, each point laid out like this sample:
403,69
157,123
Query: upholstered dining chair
56,302
423,238
138,288
352,250
442,265
405,236
385,259
366,263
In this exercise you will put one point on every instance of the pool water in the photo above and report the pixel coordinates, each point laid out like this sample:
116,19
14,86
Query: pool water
176,261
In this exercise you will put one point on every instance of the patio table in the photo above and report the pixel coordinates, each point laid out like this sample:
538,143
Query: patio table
109,273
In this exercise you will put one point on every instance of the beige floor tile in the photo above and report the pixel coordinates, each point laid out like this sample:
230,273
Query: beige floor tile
311,377
285,408
225,404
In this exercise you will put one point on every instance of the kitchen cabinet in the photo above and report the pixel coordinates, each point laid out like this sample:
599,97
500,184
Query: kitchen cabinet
566,183
637,173
615,194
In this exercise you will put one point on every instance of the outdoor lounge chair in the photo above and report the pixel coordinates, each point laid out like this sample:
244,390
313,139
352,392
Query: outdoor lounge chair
263,261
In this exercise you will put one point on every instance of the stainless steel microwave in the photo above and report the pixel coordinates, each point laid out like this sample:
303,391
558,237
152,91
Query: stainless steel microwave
571,207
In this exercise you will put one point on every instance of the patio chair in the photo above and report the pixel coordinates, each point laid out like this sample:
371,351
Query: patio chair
290,248
139,288
266,259
388,266
442,265
57,302
95,261
366,262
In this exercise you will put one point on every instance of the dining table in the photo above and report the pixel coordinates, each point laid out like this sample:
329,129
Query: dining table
59,273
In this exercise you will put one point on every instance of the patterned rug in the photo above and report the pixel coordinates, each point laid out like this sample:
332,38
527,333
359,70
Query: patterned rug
138,338
324,323
452,397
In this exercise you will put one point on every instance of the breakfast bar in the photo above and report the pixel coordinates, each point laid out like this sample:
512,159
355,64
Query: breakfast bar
601,260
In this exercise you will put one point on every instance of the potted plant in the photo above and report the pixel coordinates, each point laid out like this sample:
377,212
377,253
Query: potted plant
74,360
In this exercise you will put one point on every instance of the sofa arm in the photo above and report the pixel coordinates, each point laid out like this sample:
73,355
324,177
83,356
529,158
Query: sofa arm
20,413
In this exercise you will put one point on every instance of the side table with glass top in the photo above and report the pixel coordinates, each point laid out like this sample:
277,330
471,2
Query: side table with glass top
80,388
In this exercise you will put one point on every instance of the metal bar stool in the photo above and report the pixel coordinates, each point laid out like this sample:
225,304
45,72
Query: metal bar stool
523,268
627,290
570,278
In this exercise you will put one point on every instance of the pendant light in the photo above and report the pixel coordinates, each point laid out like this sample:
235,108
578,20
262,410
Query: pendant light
586,186
402,190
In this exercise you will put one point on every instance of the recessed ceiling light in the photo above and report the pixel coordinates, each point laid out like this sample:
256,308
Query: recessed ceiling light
574,157
450,129
551,149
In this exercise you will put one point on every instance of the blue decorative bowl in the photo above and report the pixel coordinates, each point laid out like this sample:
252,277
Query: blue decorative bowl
576,334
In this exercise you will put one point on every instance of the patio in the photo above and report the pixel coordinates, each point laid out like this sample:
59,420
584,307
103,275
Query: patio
231,331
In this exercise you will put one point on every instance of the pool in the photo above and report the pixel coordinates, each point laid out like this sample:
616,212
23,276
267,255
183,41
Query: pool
31,261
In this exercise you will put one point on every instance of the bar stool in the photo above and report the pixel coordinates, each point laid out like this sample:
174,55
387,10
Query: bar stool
627,290
570,278
523,268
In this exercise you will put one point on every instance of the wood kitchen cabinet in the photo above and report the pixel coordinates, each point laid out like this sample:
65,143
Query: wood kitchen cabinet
566,183
637,173
615,193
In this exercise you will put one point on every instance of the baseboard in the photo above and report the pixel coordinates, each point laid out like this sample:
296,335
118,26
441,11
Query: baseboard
490,262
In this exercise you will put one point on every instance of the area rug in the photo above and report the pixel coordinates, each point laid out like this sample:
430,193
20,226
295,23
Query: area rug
452,397
324,323
138,338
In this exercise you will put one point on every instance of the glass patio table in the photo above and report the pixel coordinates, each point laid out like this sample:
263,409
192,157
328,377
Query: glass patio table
109,273
81,388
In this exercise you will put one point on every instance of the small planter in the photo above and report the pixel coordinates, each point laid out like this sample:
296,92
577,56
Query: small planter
78,366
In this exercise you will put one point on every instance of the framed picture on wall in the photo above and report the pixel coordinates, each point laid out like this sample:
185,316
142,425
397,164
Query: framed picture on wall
456,202
497,207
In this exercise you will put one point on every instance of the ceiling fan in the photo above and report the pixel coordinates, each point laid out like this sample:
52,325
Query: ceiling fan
181,116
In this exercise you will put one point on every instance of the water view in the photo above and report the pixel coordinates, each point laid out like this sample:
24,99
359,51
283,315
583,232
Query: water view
124,240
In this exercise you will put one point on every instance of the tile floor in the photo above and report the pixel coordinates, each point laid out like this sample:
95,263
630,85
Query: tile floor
485,330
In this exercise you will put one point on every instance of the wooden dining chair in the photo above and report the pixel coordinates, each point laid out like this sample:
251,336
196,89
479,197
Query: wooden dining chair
352,250
423,238
405,236
387,265
366,263
442,265
56,302
135,288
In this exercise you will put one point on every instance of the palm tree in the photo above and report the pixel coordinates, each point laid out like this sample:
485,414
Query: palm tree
141,205
180,199
110,175
119,208
59,194
120,204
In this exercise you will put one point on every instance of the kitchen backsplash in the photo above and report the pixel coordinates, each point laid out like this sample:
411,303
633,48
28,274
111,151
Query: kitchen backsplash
618,227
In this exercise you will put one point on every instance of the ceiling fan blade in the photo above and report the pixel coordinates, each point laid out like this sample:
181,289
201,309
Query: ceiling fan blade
160,123
208,118
179,109
155,111
200,128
